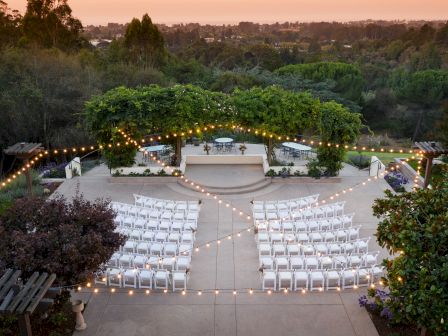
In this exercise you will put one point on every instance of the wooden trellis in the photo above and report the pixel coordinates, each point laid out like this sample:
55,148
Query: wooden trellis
23,299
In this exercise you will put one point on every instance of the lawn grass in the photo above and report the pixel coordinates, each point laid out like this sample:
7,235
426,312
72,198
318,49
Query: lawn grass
384,157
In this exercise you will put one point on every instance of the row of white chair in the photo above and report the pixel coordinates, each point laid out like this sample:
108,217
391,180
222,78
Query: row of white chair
154,203
161,225
331,223
318,262
321,248
186,236
135,260
145,213
157,248
318,280
291,204
143,278
324,211
340,235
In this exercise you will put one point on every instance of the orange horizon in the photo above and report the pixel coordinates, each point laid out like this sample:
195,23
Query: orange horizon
262,11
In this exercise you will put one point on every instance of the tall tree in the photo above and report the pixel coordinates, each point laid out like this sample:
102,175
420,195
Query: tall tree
9,25
145,42
49,23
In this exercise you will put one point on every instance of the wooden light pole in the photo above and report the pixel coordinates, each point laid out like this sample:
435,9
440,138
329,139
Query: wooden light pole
430,150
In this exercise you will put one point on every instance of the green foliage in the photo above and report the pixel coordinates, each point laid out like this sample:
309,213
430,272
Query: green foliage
359,160
315,169
144,43
348,77
19,189
337,126
414,224
65,29
271,173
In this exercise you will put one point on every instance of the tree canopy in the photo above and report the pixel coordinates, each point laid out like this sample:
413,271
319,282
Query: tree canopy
176,109
348,77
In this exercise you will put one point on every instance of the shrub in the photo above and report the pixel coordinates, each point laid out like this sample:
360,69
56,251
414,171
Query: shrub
360,161
71,239
314,169
19,189
271,173
414,225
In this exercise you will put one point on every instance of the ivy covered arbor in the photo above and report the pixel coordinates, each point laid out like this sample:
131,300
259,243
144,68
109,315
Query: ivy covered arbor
272,110
152,109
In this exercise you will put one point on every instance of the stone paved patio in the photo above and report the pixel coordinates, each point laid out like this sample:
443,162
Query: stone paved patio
231,265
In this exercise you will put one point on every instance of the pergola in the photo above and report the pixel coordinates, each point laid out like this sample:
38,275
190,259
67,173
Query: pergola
430,150
25,151
22,299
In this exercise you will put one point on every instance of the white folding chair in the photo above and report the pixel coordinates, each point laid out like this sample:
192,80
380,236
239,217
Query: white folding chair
311,263
279,249
293,249
362,245
325,262
269,280
168,263
174,237
114,277
161,236
266,262
296,262
363,277
317,280
348,278
265,249
139,261
369,259
145,278
307,249
262,237
130,278
125,260
179,279
332,279
161,279
170,249
285,279
148,236
301,280
183,263
281,263
156,249
354,260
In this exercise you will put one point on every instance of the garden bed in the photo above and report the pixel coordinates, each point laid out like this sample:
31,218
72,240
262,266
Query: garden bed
385,329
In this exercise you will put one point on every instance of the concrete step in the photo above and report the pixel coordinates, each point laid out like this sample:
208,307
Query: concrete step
234,190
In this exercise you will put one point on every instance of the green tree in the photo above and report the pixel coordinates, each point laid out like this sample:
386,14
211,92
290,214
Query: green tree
348,77
144,42
49,23
414,227
9,25
338,126
274,110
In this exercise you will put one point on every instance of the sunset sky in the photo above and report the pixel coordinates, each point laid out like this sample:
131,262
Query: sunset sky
233,11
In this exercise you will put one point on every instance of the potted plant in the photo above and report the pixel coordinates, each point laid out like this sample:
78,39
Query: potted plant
207,148
242,148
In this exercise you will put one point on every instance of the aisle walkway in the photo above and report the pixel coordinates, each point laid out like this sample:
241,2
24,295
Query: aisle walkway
231,265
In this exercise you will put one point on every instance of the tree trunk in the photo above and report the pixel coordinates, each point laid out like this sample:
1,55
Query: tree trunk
423,331
178,150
